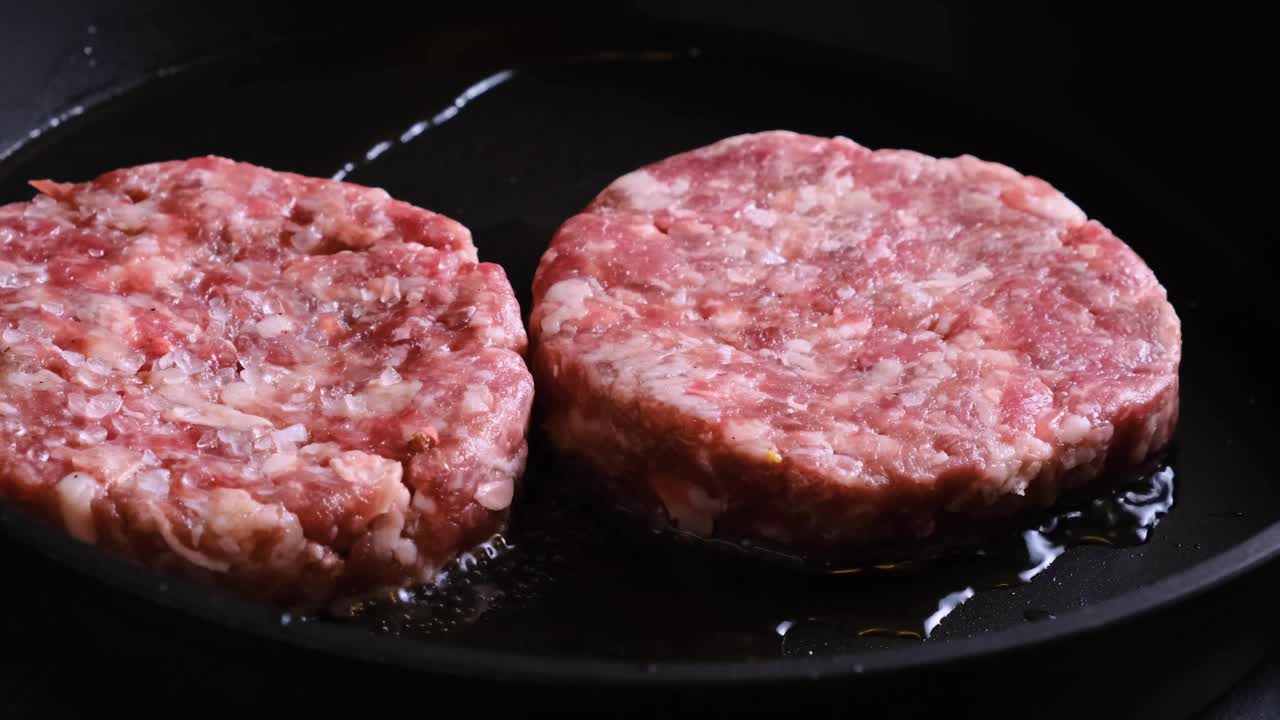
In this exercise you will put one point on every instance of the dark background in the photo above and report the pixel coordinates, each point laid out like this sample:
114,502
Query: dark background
1183,90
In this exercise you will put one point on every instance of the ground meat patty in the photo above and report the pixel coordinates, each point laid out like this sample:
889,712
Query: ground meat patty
292,386
798,340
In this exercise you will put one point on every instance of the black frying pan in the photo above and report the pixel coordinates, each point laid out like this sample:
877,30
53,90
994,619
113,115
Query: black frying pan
511,121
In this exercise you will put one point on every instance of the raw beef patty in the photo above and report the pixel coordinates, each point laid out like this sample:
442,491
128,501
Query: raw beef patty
799,340
290,386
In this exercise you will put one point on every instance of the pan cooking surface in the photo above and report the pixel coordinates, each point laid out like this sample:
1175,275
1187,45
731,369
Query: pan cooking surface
511,138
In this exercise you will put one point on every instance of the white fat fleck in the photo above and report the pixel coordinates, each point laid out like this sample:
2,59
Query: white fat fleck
666,379
295,434
385,400
884,372
109,463
840,185
397,355
152,482
495,494
727,318
262,302
168,376
951,281
345,405
912,294
796,405
797,353
424,504
912,399
772,257
306,239
751,436
364,469
91,436
94,407
388,376
477,399
279,463
1073,429
852,329
273,326
996,358
644,191
567,300
182,360
97,367
129,218
1053,206
806,198
862,201
144,245
76,493
255,374
213,415
390,289
39,380
218,310
73,359
760,217
238,394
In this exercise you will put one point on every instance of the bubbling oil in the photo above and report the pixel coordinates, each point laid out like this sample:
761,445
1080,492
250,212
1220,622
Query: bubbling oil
568,576
1122,517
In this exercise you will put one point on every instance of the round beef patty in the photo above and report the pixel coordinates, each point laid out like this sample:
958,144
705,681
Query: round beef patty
801,341
290,386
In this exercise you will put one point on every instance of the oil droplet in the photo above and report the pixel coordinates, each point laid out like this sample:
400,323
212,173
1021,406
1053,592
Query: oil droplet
1040,551
465,590
946,605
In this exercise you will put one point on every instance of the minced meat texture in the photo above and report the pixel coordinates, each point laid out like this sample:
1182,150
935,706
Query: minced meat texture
800,340
291,386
